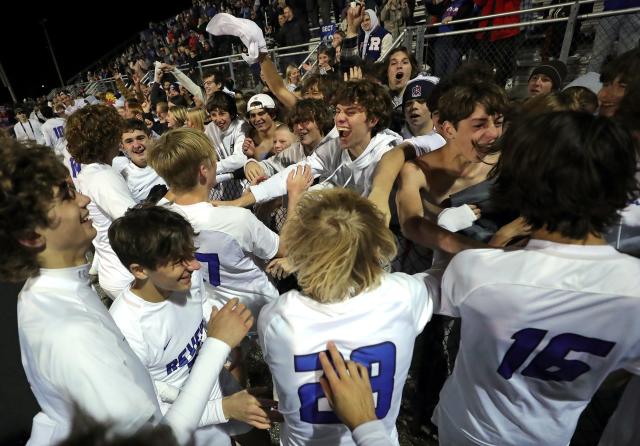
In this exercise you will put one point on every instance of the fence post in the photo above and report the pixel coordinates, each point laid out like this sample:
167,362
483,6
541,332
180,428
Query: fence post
419,45
233,76
200,69
568,32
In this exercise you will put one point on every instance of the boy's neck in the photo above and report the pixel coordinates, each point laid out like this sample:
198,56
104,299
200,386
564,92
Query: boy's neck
58,260
198,194
146,290
556,237
423,130
359,149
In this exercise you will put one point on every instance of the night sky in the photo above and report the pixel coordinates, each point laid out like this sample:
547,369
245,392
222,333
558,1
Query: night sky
80,33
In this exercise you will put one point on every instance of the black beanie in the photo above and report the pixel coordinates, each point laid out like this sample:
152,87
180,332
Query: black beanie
556,71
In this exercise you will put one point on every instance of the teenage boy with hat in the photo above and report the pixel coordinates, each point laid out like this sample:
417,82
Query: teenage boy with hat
547,77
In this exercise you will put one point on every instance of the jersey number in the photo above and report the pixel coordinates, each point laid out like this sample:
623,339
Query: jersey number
380,360
75,167
551,363
59,131
213,267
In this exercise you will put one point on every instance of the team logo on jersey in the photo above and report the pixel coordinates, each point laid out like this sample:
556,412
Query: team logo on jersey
416,91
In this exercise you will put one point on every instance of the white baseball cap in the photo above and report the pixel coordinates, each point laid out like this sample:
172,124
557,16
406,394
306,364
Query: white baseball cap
260,100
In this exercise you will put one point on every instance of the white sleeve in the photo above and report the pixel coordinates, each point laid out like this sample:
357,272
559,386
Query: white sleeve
257,238
276,186
371,433
188,84
47,138
631,214
387,41
185,413
454,286
237,159
97,376
110,192
423,289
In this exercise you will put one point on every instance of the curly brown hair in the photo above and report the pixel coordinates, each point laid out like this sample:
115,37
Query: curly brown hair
370,95
93,134
27,177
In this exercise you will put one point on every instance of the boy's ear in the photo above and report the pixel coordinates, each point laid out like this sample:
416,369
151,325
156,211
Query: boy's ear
138,271
449,130
373,122
31,239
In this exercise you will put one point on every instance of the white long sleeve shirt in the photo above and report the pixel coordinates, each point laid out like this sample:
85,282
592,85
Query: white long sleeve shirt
228,145
333,165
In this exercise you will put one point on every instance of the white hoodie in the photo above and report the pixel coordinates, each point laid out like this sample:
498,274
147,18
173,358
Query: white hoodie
333,166
228,145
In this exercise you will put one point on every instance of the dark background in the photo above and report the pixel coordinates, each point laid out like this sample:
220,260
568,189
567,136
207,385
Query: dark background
80,33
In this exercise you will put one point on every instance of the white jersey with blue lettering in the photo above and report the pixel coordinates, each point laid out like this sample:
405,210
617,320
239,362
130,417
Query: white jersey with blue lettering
230,242
71,164
139,180
166,336
376,328
542,327
110,199
53,133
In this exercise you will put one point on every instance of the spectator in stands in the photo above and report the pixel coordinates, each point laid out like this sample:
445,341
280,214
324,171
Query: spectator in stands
27,129
262,113
498,47
449,49
547,77
417,115
393,15
615,76
292,78
312,123
195,119
374,40
336,43
623,28
294,32
176,117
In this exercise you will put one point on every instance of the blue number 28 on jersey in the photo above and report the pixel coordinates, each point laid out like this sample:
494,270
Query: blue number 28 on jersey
380,360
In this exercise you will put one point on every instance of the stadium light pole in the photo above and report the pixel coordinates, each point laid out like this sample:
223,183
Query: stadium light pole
6,83
53,55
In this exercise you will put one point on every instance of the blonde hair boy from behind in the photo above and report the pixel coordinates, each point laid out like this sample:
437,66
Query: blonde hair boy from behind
179,155
338,244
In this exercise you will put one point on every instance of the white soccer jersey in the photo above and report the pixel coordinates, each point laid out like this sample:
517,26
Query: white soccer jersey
376,328
541,329
228,241
71,164
53,133
110,199
333,165
73,352
167,336
139,180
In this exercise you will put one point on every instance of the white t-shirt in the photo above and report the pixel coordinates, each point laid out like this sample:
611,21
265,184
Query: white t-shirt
228,242
333,165
541,329
73,353
139,180
53,134
110,199
166,337
424,144
377,328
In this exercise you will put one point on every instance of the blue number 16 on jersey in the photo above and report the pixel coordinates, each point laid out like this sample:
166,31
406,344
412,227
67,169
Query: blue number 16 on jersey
380,360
